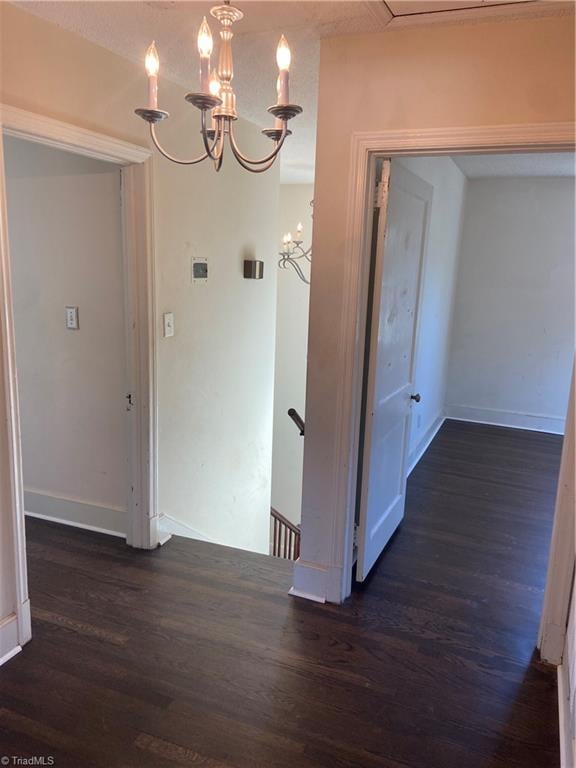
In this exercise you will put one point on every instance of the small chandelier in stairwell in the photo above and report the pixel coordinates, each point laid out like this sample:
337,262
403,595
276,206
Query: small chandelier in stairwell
293,252
217,97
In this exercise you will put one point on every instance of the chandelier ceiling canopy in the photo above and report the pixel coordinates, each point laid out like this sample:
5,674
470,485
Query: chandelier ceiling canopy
216,96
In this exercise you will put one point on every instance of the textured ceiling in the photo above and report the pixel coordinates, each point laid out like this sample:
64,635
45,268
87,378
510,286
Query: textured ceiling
525,164
409,7
126,27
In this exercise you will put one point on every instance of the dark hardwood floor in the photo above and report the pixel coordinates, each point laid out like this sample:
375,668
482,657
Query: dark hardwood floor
194,655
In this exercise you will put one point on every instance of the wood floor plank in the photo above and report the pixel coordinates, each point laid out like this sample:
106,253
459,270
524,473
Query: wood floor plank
195,654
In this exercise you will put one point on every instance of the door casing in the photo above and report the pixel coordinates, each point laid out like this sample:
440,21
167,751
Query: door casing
332,580
138,255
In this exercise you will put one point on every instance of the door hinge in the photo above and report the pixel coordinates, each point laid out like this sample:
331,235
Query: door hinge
382,187
130,401
356,534
382,192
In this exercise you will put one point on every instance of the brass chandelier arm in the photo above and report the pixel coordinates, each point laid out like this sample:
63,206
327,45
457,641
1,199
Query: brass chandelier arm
220,155
302,254
257,168
285,261
177,160
268,160
217,143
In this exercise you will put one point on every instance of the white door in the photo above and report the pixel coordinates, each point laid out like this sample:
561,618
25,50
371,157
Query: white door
401,240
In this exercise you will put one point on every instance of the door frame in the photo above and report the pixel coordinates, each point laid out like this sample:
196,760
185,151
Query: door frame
335,583
135,166
562,558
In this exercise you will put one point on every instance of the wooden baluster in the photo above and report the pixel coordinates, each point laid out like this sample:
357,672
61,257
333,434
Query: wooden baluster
286,537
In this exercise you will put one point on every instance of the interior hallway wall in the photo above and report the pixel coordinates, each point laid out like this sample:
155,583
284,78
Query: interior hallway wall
291,356
514,72
215,376
64,220
437,295
513,332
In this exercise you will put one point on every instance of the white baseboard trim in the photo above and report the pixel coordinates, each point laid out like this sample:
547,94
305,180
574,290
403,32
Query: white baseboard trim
422,446
305,595
9,643
171,527
72,524
25,623
495,417
567,743
164,537
310,581
75,512
10,655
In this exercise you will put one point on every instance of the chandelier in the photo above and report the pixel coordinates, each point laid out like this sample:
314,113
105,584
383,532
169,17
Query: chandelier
293,251
217,97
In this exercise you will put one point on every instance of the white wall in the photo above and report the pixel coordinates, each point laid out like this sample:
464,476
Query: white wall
216,375
65,240
436,303
291,353
513,332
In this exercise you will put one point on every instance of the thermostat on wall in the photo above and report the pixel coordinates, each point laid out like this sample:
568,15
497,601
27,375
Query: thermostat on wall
199,270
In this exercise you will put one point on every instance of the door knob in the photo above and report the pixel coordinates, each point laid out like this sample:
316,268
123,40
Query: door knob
416,397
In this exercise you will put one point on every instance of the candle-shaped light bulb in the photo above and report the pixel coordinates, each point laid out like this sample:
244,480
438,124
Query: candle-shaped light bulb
283,58
152,64
204,49
289,237
283,55
215,84
299,229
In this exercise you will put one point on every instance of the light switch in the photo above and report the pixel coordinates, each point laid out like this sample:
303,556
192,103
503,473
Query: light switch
168,319
72,318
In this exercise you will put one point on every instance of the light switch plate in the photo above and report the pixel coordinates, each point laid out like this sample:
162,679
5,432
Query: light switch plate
168,323
72,323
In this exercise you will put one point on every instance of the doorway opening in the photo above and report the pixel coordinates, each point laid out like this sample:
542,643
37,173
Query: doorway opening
47,159
65,228
470,337
292,310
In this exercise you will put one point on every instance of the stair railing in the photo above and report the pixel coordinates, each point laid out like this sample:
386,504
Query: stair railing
285,537
297,419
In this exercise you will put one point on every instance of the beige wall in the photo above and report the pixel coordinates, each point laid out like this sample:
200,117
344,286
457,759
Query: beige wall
506,72
291,353
216,374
